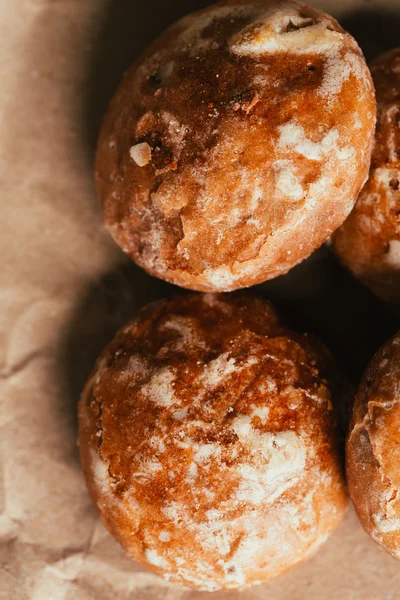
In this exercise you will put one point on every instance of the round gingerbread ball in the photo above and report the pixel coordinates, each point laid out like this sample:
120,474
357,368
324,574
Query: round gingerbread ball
207,437
237,144
373,449
368,243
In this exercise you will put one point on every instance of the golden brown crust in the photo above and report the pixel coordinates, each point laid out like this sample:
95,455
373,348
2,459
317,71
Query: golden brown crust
208,444
237,144
369,241
373,449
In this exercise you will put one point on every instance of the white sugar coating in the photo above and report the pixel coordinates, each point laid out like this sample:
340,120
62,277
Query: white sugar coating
141,154
155,559
210,495
186,329
180,414
317,190
273,32
176,131
287,183
242,427
337,70
205,452
261,543
200,582
157,443
100,473
222,542
192,472
385,176
289,28
221,278
208,485
213,514
137,365
282,461
292,136
215,372
385,524
269,538
160,389
255,222
345,153
261,412
268,386
212,534
137,369
164,536
172,512
387,520
150,468
184,443
392,257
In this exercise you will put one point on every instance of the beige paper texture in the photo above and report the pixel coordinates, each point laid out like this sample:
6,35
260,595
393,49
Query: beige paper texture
65,288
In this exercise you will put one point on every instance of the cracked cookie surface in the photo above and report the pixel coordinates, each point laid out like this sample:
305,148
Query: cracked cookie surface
373,449
368,243
236,144
209,444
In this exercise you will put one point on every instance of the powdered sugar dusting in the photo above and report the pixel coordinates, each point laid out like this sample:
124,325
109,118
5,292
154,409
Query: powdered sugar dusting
292,136
281,463
337,70
282,29
220,278
385,524
160,388
150,469
206,452
215,489
164,536
217,370
155,559
184,327
261,412
384,176
287,183
211,177
157,443
100,473
180,414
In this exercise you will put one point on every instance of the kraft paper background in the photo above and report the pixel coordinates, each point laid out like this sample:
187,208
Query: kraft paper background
65,288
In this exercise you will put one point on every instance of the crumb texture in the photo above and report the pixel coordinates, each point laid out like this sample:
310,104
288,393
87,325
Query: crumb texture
373,449
237,144
369,241
207,435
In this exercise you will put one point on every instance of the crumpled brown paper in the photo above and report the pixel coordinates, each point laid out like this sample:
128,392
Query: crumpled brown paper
65,289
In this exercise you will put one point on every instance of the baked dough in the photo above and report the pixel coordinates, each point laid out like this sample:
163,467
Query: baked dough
373,449
207,436
369,241
237,144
